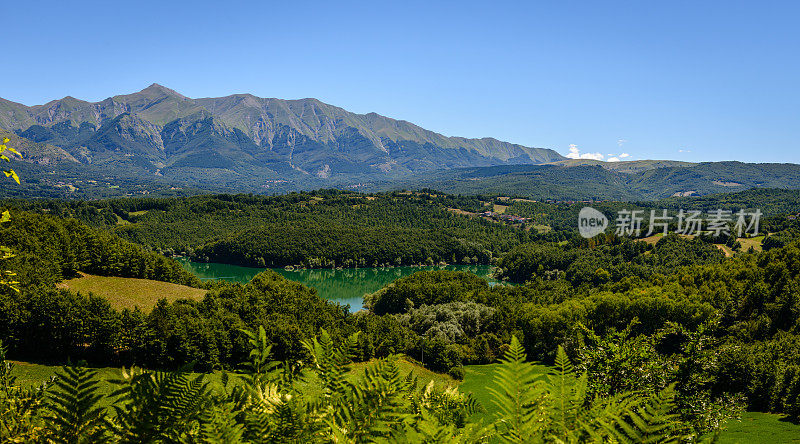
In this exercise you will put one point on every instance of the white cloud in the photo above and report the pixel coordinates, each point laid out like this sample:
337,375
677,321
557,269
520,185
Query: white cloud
624,155
621,142
613,159
684,151
575,153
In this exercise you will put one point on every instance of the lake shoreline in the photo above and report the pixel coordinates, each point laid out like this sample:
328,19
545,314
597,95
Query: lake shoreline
290,267
346,286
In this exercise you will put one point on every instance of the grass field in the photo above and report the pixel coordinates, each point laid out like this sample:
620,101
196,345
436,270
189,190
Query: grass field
478,379
406,367
500,209
754,242
758,428
542,228
129,292
652,239
725,249
33,375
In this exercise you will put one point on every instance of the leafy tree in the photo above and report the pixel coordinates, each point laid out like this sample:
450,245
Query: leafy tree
426,288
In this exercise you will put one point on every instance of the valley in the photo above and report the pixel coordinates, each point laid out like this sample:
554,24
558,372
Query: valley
458,289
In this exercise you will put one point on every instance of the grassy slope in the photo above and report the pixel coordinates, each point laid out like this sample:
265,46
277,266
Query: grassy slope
754,242
500,209
424,375
129,292
478,379
759,428
31,375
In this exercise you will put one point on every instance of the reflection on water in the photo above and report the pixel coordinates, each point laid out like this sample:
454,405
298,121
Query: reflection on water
346,286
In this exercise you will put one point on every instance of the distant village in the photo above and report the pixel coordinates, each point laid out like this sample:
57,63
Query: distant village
505,217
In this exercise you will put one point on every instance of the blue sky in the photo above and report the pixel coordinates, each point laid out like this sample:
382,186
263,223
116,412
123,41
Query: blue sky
698,81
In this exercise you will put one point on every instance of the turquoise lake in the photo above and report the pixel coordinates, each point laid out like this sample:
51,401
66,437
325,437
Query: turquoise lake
346,286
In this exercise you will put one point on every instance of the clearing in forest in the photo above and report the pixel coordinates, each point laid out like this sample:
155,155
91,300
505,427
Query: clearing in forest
129,292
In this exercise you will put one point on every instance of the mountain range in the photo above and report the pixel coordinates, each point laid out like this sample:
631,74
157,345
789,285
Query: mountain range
157,139
158,131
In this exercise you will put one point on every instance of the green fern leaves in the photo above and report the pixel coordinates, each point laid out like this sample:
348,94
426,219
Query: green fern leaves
517,394
75,416
556,408
158,405
375,404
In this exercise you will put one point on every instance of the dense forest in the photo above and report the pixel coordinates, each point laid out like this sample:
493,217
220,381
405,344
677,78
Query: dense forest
330,228
673,317
319,229
49,249
561,216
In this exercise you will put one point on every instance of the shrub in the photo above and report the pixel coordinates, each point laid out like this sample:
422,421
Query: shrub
457,373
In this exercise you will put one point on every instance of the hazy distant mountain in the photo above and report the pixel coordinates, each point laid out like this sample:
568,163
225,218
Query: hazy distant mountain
158,131
592,180
630,166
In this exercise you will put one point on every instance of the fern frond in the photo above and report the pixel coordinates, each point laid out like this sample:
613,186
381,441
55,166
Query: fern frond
73,405
518,396
219,425
656,418
19,408
158,405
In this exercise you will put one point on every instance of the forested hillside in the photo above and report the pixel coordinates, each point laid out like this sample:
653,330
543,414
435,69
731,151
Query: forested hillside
690,308
318,229
49,249
774,204
334,228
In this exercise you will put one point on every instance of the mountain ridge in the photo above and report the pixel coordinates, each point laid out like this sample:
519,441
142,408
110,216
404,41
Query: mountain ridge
157,138
250,135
